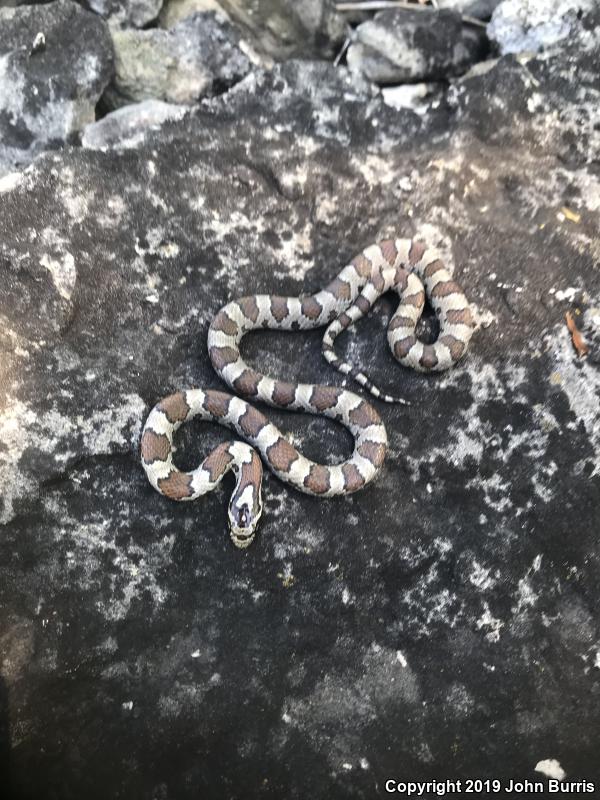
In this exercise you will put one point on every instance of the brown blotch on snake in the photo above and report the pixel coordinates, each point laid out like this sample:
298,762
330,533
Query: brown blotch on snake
324,397
416,252
154,447
247,383
353,480
364,415
249,307
223,323
177,486
403,347
389,251
401,322
429,358
175,407
317,479
453,344
279,308
461,316
434,267
282,455
252,422
222,356
217,403
445,288
216,463
311,308
373,452
284,394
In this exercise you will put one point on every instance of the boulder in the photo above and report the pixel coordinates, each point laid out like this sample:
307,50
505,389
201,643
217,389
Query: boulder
55,61
197,57
406,46
440,623
276,29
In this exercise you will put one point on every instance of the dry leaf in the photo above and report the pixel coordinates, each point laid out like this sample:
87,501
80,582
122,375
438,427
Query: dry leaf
576,337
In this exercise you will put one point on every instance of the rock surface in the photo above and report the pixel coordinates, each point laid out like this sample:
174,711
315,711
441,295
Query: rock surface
443,622
173,11
400,46
55,61
126,12
198,56
532,25
480,9
128,126
276,29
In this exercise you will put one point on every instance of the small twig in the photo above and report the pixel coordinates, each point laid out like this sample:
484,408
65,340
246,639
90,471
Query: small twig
378,5
340,55
382,5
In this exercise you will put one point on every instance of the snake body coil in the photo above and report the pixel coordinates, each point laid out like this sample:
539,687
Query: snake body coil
401,265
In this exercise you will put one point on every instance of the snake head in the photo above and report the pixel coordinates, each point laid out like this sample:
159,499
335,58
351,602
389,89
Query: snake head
245,507
243,522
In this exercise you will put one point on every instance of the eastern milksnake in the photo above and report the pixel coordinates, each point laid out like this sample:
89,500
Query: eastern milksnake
404,266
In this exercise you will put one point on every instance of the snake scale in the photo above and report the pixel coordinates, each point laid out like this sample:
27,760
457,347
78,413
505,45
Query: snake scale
407,267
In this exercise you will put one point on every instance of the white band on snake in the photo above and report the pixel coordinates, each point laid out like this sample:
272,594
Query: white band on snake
401,265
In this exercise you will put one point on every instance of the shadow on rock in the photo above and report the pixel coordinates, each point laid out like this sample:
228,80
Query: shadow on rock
5,791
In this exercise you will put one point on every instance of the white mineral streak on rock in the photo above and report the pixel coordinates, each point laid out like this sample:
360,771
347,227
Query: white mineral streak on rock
63,273
491,624
10,181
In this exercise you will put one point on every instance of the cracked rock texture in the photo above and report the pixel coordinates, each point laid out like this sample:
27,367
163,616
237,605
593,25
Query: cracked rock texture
55,61
442,623
402,46
196,57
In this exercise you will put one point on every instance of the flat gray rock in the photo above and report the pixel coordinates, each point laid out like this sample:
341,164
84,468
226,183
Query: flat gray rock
442,622
405,46
128,126
55,61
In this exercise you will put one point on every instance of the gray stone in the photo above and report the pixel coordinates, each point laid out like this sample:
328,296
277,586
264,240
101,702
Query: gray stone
118,12
126,12
129,126
480,9
197,57
173,11
440,623
55,61
277,29
532,25
402,45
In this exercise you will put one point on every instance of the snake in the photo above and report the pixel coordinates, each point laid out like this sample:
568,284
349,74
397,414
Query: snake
408,267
